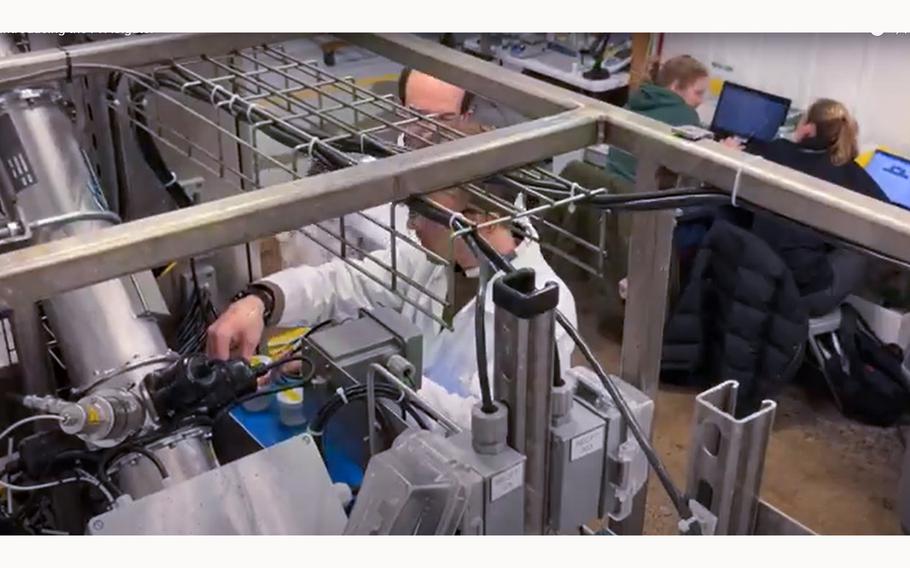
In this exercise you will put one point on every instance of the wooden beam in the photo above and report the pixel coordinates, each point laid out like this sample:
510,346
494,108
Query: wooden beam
638,70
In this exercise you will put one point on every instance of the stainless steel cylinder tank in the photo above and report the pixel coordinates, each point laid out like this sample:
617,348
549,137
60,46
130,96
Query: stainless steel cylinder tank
103,334
100,328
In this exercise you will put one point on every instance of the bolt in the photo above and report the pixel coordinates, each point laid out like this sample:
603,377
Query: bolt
98,525
306,439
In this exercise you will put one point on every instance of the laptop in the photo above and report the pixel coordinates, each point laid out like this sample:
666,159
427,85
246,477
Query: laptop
892,174
748,113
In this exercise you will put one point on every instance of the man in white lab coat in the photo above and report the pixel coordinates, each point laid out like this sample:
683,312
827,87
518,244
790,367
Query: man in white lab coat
315,245
337,291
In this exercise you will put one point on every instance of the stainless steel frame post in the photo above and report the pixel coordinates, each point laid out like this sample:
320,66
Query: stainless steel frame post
523,379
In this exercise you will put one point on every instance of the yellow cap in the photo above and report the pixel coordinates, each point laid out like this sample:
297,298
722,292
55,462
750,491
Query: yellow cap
292,396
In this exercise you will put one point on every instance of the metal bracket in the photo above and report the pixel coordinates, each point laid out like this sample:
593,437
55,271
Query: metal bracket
146,296
16,229
700,515
727,457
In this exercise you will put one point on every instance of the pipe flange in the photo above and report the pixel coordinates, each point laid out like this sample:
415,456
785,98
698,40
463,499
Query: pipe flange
180,435
131,365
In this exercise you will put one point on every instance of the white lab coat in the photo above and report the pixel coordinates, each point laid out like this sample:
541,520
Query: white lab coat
313,246
298,247
337,291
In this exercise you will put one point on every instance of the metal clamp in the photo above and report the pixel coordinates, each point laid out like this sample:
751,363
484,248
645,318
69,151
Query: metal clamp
17,227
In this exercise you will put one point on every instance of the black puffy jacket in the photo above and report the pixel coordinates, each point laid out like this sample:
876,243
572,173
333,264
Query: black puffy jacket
740,317
801,248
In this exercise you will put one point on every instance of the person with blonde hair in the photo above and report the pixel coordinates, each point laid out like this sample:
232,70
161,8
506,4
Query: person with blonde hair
825,145
671,94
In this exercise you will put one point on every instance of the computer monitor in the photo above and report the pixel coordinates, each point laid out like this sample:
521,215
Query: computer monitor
892,173
749,113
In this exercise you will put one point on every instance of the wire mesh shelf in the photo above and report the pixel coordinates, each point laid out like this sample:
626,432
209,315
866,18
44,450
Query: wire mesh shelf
257,117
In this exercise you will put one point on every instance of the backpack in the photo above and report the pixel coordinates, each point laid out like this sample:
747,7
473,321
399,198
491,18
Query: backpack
865,375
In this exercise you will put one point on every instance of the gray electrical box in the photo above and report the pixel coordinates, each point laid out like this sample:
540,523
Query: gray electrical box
428,484
576,469
372,338
498,507
625,466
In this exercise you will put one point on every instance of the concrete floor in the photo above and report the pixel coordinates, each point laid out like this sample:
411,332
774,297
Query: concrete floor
832,474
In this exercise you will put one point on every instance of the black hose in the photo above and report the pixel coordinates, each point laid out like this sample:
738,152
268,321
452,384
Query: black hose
354,394
151,457
122,195
268,392
103,464
297,348
150,152
480,345
657,200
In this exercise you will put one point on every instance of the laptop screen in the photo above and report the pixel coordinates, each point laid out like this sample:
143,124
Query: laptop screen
892,173
749,113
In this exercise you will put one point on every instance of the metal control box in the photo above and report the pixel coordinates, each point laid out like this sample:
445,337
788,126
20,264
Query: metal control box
428,484
371,338
625,465
576,469
498,507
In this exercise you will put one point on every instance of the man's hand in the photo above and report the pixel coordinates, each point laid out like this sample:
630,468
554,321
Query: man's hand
238,330
734,142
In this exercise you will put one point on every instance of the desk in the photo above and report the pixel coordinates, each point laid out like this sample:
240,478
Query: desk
556,67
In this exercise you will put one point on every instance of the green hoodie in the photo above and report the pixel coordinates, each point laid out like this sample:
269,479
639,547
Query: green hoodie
660,104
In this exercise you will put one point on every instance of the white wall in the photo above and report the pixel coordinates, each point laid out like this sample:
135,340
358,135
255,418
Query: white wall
871,75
